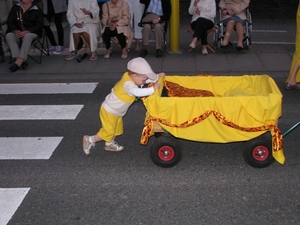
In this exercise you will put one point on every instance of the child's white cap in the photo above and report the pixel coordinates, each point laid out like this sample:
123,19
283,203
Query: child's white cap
140,66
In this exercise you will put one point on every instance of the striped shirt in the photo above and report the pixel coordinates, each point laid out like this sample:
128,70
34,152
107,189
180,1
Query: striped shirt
155,7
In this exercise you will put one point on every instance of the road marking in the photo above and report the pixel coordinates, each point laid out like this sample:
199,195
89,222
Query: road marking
39,112
10,200
19,148
47,88
270,31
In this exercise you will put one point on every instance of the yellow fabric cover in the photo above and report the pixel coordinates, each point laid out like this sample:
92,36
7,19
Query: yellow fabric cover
243,108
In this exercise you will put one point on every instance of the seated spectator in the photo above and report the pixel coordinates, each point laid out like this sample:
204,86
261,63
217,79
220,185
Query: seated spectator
116,23
156,14
136,12
25,23
83,17
234,15
203,14
294,76
55,8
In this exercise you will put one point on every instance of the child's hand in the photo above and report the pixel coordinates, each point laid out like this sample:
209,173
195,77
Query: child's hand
161,74
156,86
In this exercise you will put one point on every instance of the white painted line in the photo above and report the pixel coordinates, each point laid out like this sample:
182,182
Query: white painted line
273,43
47,88
270,31
10,200
39,112
21,148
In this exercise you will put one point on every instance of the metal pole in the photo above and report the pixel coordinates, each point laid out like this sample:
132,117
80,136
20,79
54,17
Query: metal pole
174,26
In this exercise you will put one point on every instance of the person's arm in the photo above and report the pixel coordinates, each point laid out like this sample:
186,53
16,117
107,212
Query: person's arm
192,8
94,9
238,8
133,90
104,19
125,19
167,9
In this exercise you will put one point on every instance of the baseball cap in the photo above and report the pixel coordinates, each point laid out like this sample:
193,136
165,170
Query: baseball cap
140,65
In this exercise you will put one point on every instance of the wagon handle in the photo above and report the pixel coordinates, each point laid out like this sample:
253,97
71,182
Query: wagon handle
292,128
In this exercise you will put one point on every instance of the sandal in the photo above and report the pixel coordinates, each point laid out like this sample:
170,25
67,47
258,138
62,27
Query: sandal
93,56
108,53
239,48
137,48
71,56
292,86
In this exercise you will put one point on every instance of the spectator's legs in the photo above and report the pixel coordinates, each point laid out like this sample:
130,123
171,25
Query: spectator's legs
2,59
86,37
240,34
292,77
12,42
158,31
146,32
107,34
48,30
76,37
59,27
228,31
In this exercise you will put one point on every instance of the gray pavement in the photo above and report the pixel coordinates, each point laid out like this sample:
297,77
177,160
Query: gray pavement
270,53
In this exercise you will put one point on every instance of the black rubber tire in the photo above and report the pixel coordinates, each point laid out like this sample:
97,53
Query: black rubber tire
165,151
258,152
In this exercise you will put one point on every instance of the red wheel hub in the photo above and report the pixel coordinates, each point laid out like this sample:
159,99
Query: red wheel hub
260,153
166,153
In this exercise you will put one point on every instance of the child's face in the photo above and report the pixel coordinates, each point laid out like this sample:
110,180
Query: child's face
139,79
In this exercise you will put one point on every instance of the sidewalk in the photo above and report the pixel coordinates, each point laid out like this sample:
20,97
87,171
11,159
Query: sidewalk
271,53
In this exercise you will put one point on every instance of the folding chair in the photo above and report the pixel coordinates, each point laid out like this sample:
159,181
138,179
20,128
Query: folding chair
39,44
164,35
210,45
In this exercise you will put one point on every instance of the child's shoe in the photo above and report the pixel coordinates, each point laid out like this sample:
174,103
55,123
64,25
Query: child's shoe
59,49
113,147
86,144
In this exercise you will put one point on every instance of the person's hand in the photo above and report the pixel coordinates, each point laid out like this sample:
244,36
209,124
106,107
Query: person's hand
198,11
23,33
156,86
85,12
112,26
17,33
156,20
79,25
161,74
196,2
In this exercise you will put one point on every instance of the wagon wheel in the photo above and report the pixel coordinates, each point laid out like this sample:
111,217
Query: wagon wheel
258,152
165,151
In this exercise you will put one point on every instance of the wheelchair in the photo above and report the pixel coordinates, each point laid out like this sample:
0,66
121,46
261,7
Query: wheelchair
220,30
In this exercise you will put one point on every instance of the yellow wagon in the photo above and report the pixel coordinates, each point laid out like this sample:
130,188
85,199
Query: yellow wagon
216,109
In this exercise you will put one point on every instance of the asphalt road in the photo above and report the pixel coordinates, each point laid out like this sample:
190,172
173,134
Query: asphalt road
211,185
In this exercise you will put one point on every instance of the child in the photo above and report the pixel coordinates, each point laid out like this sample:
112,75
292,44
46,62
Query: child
116,104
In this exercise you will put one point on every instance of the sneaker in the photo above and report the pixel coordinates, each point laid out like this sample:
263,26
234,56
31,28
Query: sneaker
52,49
59,49
113,147
86,145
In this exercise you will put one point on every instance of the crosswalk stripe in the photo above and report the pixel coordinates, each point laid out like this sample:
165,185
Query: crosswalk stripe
22,148
47,88
39,112
10,200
